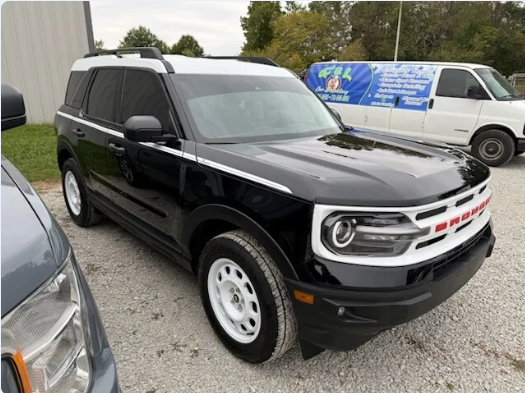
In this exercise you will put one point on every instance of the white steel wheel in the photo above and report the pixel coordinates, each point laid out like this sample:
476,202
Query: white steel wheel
234,301
73,198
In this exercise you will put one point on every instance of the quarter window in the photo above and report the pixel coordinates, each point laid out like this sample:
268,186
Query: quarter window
144,95
102,96
455,83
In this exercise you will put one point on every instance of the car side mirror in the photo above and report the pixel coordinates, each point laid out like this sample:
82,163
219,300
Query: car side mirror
142,128
13,107
336,113
476,93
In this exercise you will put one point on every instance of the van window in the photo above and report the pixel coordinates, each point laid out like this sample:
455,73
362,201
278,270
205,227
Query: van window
102,95
455,83
76,89
144,95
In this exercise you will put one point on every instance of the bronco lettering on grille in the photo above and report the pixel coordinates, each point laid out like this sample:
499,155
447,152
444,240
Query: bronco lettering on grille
465,216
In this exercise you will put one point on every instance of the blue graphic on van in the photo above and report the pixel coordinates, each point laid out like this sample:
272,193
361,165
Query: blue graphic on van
372,84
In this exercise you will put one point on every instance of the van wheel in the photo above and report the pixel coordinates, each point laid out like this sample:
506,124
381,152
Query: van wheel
493,147
245,298
78,204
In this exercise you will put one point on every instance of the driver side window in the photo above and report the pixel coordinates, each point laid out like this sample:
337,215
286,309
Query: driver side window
456,83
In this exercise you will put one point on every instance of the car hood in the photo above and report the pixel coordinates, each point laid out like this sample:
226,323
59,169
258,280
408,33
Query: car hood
28,256
358,168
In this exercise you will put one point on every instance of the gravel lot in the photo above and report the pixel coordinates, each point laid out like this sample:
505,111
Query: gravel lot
475,342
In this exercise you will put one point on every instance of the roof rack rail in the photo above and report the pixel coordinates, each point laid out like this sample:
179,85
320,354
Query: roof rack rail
145,53
249,59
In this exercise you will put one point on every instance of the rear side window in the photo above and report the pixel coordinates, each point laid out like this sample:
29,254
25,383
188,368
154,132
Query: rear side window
144,95
455,83
102,95
76,89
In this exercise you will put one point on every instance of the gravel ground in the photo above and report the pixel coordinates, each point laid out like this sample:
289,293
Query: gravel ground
475,342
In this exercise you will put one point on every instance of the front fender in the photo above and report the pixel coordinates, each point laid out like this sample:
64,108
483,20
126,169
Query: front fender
240,220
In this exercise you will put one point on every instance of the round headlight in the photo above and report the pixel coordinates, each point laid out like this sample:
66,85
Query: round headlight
343,232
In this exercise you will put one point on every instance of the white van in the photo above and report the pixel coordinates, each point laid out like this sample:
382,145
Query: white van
460,104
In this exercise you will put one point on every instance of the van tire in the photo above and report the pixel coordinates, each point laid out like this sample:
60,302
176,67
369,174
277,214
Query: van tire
277,328
493,147
87,215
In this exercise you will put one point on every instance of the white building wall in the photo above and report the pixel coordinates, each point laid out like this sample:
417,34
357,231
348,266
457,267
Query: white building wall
40,42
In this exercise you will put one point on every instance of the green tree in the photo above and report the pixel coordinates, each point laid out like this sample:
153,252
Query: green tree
142,37
99,45
338,15
354,51
258,24
187,46
294,6
300,39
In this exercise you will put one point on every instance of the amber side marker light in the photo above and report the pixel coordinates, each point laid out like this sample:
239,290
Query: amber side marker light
23,375
303,297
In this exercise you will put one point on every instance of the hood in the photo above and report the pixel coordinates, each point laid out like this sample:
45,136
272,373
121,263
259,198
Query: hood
28,260
359,168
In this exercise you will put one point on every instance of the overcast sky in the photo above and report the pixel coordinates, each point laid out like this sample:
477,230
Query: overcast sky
215,24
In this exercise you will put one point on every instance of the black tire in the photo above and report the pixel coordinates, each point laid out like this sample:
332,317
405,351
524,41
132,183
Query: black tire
88,214
278,327
493,147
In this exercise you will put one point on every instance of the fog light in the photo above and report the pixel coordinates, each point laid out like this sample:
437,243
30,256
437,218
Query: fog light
341,311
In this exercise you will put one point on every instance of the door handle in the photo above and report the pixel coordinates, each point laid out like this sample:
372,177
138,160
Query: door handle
396,102
118,150
431,103
78,132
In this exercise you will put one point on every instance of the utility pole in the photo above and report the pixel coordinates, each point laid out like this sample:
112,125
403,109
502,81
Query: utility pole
398,30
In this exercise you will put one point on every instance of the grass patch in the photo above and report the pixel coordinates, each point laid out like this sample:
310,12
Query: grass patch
32,149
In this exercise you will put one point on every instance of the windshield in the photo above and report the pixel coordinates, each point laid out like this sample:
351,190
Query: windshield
498,85
240,108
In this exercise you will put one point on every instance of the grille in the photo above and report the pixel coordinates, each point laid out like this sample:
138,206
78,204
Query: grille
450,259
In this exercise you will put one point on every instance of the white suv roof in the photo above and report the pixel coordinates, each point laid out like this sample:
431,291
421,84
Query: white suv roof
183,65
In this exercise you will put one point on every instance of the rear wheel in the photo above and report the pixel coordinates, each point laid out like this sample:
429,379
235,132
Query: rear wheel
245,298
494,147
80,208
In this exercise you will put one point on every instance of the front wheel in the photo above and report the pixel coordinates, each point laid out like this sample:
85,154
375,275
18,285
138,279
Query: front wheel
245,298
493,147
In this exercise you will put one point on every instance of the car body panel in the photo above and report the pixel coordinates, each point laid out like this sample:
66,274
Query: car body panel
28,259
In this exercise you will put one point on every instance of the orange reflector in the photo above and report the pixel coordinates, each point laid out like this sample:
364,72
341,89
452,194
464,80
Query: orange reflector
25,383
303,297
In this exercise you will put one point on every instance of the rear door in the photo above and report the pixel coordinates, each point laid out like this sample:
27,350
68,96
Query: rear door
451,115
96,120
143,178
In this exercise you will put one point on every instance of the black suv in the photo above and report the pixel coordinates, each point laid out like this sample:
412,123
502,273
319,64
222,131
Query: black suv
294,223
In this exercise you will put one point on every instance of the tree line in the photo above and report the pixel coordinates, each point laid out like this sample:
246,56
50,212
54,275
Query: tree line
141,36
295,36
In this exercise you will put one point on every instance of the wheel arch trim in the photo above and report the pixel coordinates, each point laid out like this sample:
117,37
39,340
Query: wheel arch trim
241,220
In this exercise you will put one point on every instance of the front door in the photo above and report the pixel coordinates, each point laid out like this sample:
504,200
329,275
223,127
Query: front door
143,178
451,115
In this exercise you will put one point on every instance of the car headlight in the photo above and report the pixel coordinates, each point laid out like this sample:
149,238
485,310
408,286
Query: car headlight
47,337
364,234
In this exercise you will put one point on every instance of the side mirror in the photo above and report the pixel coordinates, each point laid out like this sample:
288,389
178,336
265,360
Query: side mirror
143,128
13,108
336,113
477,93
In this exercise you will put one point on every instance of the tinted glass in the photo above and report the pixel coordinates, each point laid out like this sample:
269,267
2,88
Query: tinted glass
144,95
75,80
455,83
238,108
498,85
101,100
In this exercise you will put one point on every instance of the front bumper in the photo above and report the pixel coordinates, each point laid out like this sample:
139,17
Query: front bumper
103,368
520,145
381,298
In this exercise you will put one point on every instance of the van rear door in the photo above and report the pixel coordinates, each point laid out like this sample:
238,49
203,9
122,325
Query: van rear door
452,115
